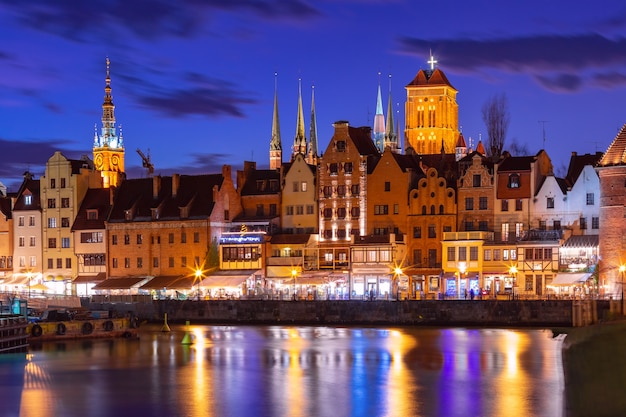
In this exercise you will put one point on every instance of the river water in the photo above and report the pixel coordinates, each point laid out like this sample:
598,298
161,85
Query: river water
290,371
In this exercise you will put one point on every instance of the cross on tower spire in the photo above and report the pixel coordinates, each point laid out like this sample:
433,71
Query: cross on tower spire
432,61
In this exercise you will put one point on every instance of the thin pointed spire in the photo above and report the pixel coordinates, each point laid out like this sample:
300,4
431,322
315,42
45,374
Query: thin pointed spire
379,122
108,136
299,142
313,131
276,147
391,137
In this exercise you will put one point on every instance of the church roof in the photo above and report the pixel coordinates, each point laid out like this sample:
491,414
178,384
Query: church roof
430,78
616,153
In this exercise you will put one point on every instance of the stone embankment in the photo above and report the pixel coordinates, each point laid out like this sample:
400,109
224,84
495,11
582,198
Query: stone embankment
499,313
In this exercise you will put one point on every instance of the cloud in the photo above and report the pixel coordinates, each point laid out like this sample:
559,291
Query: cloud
549,59
147,19
204,96
29,155
560,82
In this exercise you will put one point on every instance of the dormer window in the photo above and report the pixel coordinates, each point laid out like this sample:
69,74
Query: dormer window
260,185
273,185
92,214
128,215
514,181
28,200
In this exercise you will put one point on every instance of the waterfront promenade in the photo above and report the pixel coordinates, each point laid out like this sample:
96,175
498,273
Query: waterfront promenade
507,313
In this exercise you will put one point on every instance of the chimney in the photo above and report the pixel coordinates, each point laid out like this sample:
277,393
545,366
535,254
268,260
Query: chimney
175,184
156,186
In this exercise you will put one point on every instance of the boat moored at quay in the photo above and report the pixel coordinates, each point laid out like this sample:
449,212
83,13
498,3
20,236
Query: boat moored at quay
61,324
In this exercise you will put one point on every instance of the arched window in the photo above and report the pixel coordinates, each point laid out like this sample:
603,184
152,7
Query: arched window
424,210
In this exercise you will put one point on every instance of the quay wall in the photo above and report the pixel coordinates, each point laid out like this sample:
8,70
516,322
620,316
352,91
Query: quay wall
508,313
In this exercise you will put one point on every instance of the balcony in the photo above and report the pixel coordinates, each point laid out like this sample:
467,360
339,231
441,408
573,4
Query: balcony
468,235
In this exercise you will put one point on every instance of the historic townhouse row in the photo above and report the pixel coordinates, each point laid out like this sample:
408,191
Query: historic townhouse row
365,216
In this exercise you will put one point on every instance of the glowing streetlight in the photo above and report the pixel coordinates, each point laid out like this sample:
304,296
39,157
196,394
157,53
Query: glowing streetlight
29,276
294,273
397,272
513,272
199,279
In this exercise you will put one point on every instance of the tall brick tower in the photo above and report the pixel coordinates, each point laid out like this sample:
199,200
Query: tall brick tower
108,148
432,113
612,172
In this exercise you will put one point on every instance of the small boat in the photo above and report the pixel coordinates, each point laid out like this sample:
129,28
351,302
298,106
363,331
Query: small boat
62,324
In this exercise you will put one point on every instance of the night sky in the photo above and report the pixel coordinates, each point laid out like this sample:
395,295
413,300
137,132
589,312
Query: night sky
193,81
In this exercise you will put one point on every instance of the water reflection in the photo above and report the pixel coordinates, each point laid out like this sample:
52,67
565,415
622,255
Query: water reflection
298,371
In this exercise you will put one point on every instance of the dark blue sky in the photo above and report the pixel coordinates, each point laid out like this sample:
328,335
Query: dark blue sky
193,80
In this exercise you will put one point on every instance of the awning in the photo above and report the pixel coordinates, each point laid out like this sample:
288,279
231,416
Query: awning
571,278
18,281
228,278
277,271
125,283
585,241
84,279
169,281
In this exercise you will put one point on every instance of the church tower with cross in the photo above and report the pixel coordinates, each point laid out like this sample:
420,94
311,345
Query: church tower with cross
108,147
431,112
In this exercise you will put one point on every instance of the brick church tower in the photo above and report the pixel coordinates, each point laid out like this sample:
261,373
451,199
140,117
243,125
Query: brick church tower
612,172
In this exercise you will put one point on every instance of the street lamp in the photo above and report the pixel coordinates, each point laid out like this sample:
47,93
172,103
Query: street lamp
294,273
29,276
397,272
513,272
198,278
622,269
462,269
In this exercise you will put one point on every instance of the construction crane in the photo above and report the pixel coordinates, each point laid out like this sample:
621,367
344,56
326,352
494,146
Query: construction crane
146,162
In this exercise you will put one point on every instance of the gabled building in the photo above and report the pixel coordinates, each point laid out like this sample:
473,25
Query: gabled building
431,216
518,179
392,178
26,257
299,210
343,189
168,225
583,196
63,188
259,191
476,196
89,236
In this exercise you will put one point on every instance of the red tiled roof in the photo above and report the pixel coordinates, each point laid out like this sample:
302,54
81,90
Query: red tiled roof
616,153
430,78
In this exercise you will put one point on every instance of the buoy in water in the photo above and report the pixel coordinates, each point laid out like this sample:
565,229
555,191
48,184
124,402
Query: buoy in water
165,327
187,339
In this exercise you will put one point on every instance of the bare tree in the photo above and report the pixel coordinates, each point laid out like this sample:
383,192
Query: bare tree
496,117
518,149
